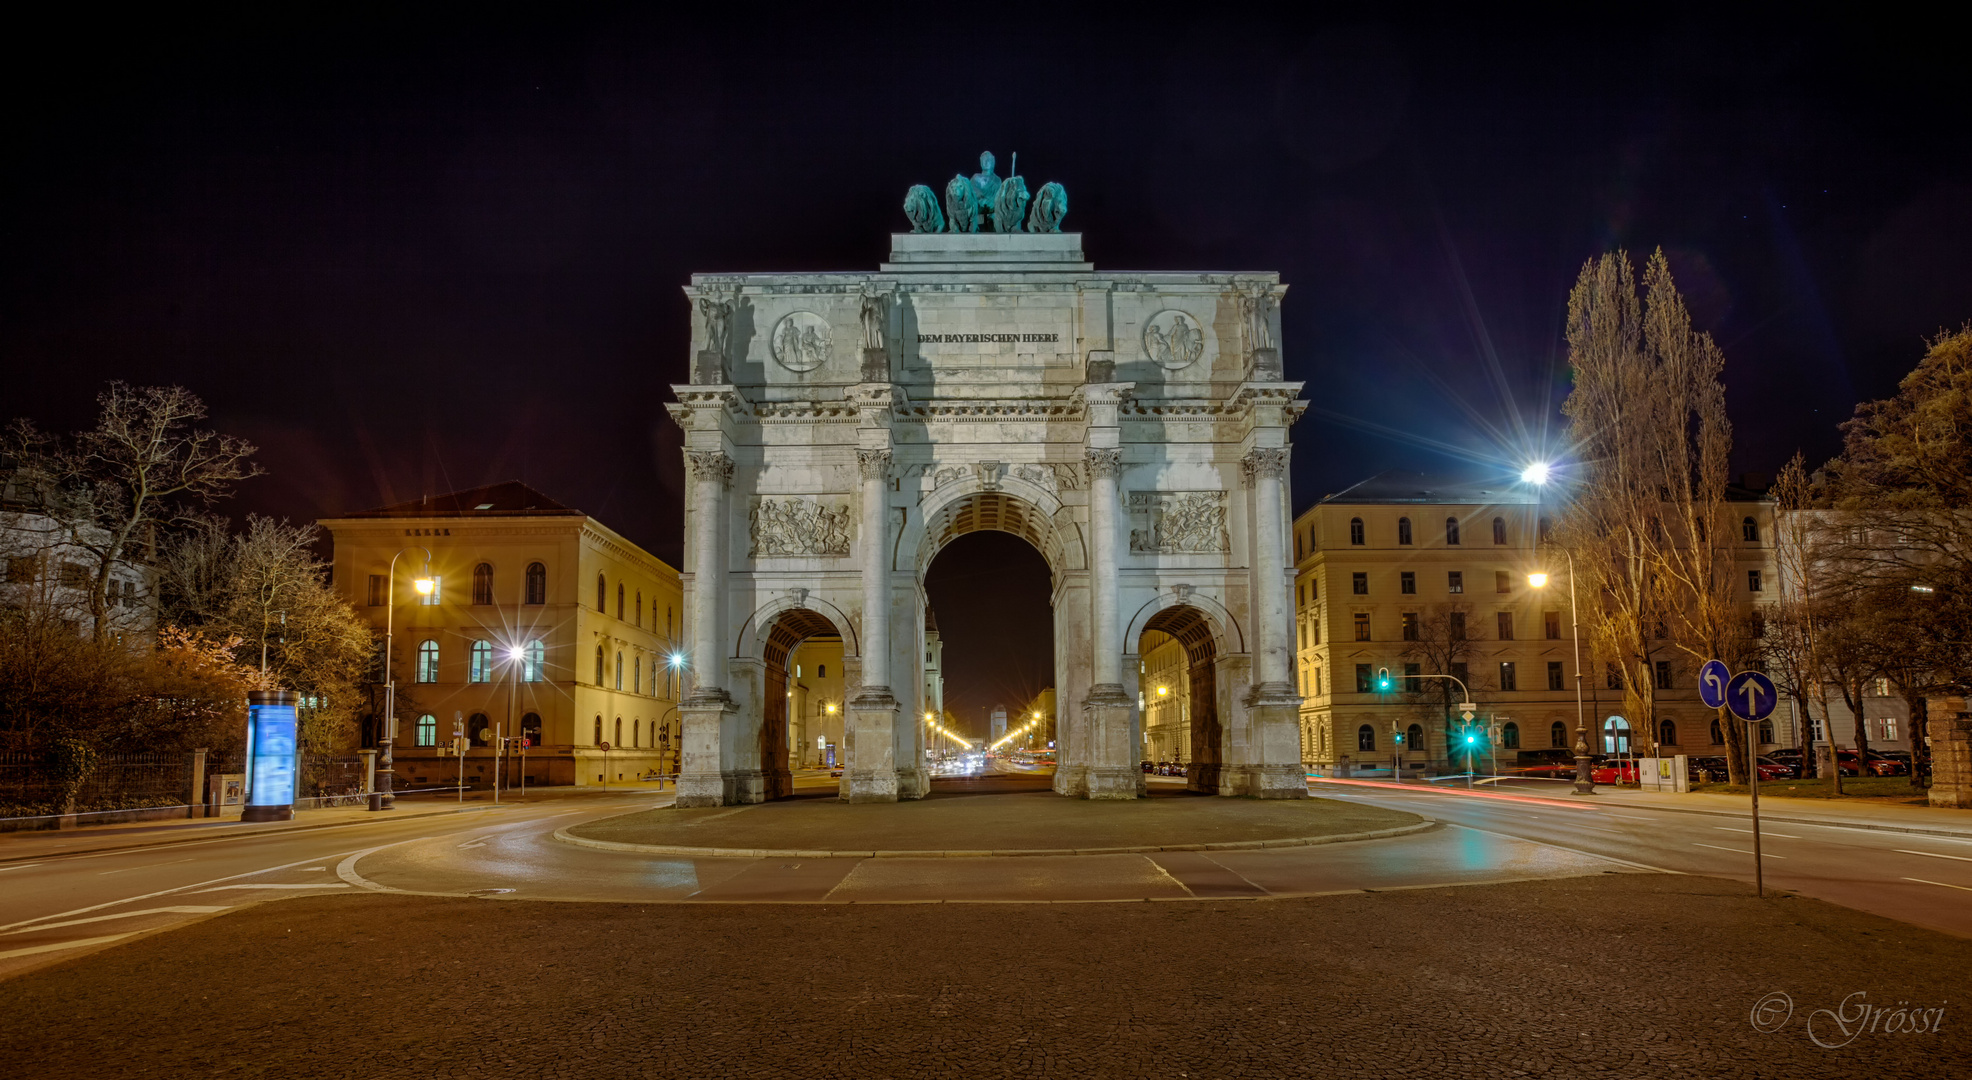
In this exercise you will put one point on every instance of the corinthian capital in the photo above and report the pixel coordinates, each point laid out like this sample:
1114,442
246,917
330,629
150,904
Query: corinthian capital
1104,463
875,464
710,465
1265,464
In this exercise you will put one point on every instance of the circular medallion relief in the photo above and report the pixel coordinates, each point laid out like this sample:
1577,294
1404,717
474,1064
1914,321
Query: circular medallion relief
1174,339
801,341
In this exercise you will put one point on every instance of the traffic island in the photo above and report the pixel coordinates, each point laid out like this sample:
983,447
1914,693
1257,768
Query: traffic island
990,818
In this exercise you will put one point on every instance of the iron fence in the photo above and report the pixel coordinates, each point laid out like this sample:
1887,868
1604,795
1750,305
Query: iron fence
41,783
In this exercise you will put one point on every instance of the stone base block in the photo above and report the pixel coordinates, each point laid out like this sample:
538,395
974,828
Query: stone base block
1276,782
1110,782
913,783
1951,762
871,732
1072,781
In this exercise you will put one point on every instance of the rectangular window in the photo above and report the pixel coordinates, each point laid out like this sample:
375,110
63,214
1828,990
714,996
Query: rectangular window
1881,686
1359,584
74,575
1507,679
1411,672
1502,581
1555,679
1615,677
1362,626
430,599
1315,628
1752,581
1455,626
378,595
1304,639
1460,673
1888,731
1362,679
1314,590
1505,621
1663,674
1455,581
1410,626
1407,583
1551,622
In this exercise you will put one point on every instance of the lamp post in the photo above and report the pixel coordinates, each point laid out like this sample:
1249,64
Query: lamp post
1583,785
382,798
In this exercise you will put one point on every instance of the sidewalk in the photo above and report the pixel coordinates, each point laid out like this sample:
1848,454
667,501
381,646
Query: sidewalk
50,843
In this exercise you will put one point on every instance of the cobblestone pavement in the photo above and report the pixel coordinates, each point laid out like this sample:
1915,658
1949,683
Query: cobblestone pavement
1603,976
993,813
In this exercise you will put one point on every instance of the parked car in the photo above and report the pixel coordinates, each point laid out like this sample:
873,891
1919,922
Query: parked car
1877,764
1555,771
1711,770
1615,771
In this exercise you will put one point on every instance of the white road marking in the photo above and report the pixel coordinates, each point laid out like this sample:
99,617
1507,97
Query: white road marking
1934,855
1740,851
80,943
313,868
346,869
1763,832
160,892
22,866
146,866
180,909
317,885
1571,851
1921,881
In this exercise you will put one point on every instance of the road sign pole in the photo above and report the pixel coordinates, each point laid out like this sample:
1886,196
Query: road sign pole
1753,781
1758,699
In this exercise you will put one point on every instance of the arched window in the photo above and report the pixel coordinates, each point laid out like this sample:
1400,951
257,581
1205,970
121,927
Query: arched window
821,671
1546,529
427,661
618,741
619,599
479,663
1616,736
1356,531
482,583
1667,733
1557,735
1414,739
1365,738
637,675
478,729
537,583
636,731
1750,529
533,659
1499,530
640,607
427,730
530,726
602,595
599,665
1510,736
1718,736
598,740
1403,530
619,671
1451,530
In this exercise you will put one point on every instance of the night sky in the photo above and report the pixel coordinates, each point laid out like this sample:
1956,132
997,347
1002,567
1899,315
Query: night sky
409,254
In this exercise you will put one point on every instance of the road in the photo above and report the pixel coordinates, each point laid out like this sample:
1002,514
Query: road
1916,878
55,908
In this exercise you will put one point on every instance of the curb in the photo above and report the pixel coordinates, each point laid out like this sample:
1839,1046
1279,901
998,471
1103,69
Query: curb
197,839
563,835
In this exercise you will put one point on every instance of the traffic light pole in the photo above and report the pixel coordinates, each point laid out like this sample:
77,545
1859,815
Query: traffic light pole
1465,706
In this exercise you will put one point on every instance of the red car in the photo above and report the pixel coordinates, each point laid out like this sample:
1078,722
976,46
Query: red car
1878,766
1615,771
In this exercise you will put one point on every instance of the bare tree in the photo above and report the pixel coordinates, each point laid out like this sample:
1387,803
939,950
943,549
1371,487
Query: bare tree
1789,641
142,467
1443,646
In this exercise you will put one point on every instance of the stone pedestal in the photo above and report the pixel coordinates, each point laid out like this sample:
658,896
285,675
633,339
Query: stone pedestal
1266,365
701,781
871,733
1113,771
708,368
876,365
1951,762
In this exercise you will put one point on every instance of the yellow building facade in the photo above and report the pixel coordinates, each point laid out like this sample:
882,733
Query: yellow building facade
1422,576
542,622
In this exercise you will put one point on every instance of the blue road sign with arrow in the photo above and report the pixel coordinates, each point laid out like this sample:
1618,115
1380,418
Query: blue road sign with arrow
1712,680
1751,696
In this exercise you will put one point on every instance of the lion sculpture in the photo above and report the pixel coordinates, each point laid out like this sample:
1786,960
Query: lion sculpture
1010,205
1050,206
921,206
961,206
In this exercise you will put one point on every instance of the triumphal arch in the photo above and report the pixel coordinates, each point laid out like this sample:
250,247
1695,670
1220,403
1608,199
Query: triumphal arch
840,428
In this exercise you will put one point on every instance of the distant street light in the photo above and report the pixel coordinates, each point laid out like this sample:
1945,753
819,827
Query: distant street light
1535,473
1583,785
381,797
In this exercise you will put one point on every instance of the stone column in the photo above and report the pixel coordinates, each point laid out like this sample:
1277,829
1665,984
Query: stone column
705,775
1274,767
1113,769
1951,761
871,775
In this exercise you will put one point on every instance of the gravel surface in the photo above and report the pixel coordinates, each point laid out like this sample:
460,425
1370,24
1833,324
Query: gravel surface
1608,976
998,814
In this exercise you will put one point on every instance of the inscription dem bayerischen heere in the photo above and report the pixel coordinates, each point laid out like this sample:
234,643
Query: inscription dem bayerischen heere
973,339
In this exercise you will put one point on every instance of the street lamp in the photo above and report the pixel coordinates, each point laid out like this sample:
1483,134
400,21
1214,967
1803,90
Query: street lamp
1535,473
1583,785
381,797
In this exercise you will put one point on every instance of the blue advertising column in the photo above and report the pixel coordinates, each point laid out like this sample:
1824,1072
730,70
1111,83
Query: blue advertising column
270,756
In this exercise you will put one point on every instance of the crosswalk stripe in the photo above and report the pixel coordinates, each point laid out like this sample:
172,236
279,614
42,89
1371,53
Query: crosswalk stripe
180,909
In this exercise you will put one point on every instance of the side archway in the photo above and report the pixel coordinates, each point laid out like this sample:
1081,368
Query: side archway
1199,639
779,636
